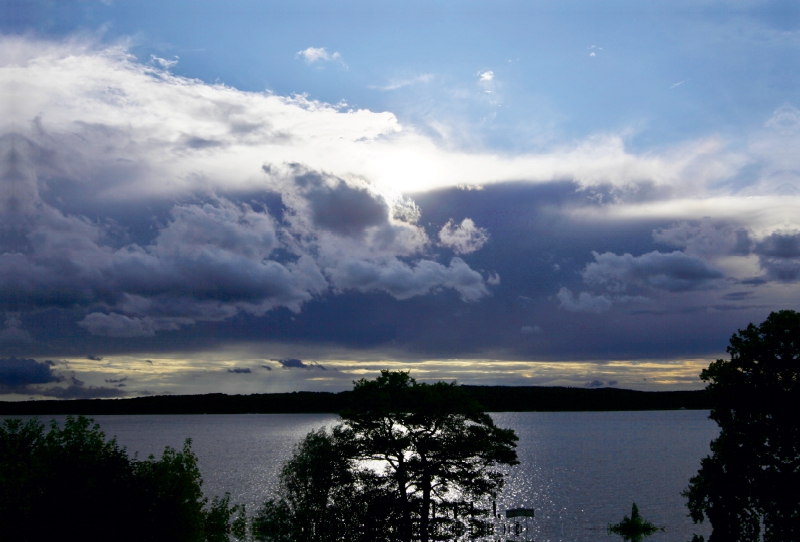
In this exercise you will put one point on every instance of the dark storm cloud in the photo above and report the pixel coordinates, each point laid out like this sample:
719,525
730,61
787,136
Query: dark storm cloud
17,374
780,245
318,259
345,210
536,248
240,370
779,255
674,271
736,296
583,302
26,376
209,260
13,334
119,325
706,237
135,217
293,363
74,391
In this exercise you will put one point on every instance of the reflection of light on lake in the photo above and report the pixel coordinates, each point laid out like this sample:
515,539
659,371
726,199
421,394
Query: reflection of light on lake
578,470
582,470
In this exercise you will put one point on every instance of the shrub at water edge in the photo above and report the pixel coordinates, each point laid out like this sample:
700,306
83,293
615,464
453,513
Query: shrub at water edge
71,483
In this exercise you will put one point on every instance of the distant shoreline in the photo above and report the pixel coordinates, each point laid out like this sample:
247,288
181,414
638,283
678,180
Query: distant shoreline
493,399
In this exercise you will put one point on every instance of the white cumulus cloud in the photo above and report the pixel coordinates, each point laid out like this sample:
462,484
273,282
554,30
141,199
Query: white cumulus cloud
463,238
316,54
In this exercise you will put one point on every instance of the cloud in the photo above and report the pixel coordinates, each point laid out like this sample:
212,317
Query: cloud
317,54
673,272
193,134
240,370
145,202
118,382
119,325
400,83
18,374
94,358
486,76
404,281
706,237
211,261
585,302
778,253
164,63
208,260
74,391
774,152
293,363
594,384
343,209
779,256
13,333
780,245
463,238
530,330
26,376
785,119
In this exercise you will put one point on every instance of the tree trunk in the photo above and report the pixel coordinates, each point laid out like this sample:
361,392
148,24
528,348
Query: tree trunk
405,525
426,501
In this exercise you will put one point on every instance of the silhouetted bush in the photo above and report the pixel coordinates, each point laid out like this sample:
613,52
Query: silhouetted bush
633,528
71,483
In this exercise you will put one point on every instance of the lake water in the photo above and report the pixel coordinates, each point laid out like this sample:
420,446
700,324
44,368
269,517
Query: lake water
578,470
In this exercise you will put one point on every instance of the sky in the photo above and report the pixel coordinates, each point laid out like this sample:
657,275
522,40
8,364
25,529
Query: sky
249,197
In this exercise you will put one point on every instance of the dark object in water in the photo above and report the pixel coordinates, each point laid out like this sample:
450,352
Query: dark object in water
519,513
633,528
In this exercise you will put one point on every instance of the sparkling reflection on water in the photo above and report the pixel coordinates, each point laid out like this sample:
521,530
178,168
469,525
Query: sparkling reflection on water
578,470
582,470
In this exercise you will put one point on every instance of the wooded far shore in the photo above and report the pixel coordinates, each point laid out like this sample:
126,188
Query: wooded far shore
492,398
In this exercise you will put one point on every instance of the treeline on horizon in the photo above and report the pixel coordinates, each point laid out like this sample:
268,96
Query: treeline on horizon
491,398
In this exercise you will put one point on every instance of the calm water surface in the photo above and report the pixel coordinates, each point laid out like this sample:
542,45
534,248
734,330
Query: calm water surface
579,470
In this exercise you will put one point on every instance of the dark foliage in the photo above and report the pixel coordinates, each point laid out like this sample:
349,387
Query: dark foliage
325,496
752,476
438,446
633,528
409,461
71,483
